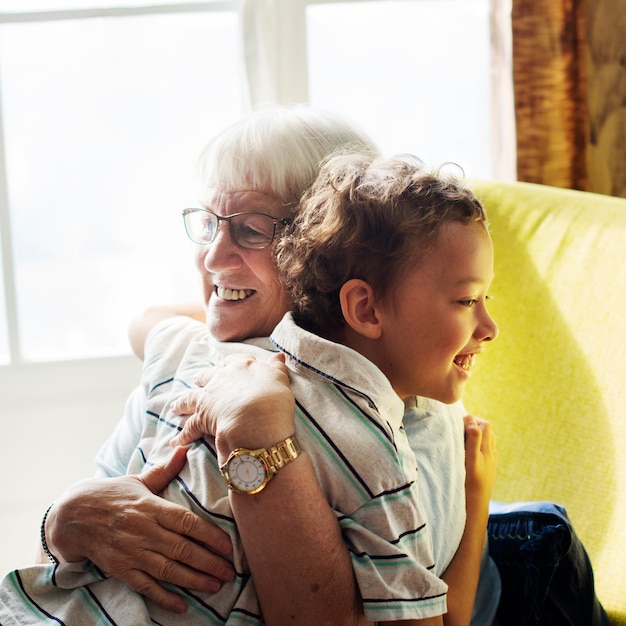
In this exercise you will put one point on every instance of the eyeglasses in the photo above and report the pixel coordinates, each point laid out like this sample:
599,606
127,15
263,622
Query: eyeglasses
248,230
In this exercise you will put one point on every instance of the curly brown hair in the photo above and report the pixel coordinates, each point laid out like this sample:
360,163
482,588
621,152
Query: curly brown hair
369,219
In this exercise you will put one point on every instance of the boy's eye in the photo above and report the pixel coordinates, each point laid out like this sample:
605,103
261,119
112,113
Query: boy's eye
470,302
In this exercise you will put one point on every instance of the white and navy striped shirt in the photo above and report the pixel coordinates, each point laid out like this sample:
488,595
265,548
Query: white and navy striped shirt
348,419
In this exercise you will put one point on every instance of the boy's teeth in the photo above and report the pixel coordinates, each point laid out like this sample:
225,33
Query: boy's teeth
233,294
464,361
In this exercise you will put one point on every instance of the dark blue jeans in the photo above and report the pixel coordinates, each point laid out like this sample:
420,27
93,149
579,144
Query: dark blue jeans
547,578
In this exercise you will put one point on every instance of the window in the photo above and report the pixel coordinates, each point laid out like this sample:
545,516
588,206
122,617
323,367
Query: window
104,107
104,111
104,116
416,75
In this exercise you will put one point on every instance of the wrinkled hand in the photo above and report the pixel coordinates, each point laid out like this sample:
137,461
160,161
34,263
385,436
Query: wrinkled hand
243,401
134,535
481,457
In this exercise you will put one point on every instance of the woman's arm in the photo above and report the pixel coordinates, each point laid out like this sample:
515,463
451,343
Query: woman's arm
291,536
464,570
300,548
141,325
122,525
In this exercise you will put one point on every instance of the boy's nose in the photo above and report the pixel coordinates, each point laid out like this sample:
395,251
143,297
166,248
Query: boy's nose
490,328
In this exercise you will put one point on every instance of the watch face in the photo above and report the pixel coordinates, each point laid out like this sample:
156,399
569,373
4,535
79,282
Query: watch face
247,473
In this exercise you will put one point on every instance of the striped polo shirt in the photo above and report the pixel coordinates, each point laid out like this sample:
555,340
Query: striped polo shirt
349,421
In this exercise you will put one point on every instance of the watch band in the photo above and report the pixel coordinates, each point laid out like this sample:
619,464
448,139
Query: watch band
280,454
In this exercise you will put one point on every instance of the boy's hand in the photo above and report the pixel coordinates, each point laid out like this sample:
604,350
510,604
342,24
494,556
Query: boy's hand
480,459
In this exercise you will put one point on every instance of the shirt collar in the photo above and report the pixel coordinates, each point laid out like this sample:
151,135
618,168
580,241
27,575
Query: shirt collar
316,357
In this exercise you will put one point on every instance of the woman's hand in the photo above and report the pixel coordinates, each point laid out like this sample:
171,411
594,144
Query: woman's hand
243,402
129,532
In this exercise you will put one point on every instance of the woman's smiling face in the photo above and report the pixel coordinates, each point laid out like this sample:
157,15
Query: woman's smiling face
242,293
436,321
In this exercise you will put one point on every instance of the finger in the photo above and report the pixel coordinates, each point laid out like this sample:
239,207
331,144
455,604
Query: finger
243,358
186,405
489,440
146,586
471,425
203,377
188,564
278,360
483,424
277,357
160,569
185,525
488,434
173,545
159,477
473,436
191,431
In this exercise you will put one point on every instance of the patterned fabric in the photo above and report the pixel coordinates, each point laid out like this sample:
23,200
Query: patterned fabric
550,93
348,419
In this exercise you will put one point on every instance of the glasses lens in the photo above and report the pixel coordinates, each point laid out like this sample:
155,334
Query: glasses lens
252,230
200,225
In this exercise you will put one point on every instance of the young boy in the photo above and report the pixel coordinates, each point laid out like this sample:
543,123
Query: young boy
383,256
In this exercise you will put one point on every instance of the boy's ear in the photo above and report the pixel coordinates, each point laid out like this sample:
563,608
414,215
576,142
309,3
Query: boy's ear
358,306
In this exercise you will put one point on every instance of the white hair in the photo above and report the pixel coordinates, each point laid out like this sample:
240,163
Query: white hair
279,150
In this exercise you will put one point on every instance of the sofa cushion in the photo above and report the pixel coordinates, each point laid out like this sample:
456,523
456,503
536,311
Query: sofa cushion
554,382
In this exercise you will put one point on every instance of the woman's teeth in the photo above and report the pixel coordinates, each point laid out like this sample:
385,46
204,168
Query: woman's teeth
233,294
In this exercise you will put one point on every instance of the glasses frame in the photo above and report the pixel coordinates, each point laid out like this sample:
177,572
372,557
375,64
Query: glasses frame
276,221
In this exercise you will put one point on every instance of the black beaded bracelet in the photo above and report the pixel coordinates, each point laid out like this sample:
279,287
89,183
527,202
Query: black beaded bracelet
44,543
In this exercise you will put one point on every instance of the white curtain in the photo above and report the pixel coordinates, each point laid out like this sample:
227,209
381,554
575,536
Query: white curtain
260,51
274,51
275,65
502,101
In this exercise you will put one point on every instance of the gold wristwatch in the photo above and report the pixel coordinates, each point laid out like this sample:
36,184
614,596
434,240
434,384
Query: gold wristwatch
248,471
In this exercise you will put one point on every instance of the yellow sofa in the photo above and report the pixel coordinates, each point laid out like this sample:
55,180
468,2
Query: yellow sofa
554,383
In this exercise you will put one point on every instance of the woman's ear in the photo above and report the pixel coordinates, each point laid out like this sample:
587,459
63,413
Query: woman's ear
358,306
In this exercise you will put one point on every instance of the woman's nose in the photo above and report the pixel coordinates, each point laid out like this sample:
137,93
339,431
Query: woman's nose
222,253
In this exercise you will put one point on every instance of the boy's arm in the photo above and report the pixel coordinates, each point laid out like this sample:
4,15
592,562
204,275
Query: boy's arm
464,570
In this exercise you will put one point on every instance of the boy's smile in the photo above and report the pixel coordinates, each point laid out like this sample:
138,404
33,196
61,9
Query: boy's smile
438,322
465,361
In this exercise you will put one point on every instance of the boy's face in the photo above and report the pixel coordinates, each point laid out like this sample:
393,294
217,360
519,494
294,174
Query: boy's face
438,320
